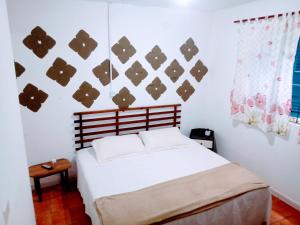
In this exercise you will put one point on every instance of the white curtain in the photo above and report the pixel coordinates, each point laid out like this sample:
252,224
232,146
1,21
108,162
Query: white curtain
262,90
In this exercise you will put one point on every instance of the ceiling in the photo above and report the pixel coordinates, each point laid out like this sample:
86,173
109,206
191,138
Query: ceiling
205,5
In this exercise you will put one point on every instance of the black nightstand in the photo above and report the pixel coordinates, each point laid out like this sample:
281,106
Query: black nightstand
204,137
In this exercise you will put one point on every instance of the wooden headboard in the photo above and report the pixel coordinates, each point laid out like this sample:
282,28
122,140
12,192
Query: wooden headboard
97,124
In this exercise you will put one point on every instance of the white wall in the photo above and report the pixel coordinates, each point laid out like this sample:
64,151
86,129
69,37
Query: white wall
15,194
49,132
275,159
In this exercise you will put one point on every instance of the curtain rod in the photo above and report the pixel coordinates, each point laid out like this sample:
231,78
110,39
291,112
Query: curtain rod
263,17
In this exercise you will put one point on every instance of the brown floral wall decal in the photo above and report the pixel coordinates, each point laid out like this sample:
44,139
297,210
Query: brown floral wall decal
39,42
199,70
174,71
185,90
189,49
123,49
136,73
61,72
156,57
156,88
102,72
124,98
19,69
83,44
86,94
32,97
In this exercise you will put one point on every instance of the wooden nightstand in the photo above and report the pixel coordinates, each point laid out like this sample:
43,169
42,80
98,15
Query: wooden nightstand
37,172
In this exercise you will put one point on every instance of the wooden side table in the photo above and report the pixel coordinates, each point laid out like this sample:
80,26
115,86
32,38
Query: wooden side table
37,172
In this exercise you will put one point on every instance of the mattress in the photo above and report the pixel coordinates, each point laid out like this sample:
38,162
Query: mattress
139,171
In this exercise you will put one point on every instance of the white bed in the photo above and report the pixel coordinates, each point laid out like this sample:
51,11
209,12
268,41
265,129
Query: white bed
136,172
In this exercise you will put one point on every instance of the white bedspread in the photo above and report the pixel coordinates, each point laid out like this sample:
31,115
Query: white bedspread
133,173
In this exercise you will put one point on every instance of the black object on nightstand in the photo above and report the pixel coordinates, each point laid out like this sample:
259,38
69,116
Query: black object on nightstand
204,137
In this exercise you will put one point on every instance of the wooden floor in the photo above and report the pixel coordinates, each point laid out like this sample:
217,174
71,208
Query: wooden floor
60,208
283,214
66,208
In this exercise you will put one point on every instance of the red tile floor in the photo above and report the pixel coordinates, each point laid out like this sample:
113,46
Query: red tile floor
283,214
66,208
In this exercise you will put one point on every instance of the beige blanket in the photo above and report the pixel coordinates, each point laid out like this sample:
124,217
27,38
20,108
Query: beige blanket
171,199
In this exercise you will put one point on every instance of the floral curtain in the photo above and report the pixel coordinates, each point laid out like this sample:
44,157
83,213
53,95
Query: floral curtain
262,89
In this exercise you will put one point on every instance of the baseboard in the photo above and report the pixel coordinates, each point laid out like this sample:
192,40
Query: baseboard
284,198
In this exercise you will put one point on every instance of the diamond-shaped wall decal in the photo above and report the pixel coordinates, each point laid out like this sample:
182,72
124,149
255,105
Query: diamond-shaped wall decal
199,71
156,57
86,94
32,97
123,49
102,72
189,49
83,44
185,90
124,98
39,42
174,71
19,69
136,73
61,72
156,88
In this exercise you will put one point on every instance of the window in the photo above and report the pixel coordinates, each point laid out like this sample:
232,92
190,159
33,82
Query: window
296,87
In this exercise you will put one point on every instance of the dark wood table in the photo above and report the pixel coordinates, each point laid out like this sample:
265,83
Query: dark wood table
37,172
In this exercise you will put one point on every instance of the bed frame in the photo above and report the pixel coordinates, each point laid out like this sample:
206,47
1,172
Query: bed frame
97,124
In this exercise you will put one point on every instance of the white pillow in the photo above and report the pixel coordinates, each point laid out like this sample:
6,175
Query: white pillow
162,138
112,147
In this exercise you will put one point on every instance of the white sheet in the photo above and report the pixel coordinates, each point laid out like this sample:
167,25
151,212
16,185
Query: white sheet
137,172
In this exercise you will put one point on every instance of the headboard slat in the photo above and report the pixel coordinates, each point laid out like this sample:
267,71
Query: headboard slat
89,125
127,116
81,132
147,119
123,110
117,124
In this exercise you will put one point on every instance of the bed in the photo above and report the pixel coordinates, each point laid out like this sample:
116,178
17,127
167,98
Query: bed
130,174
